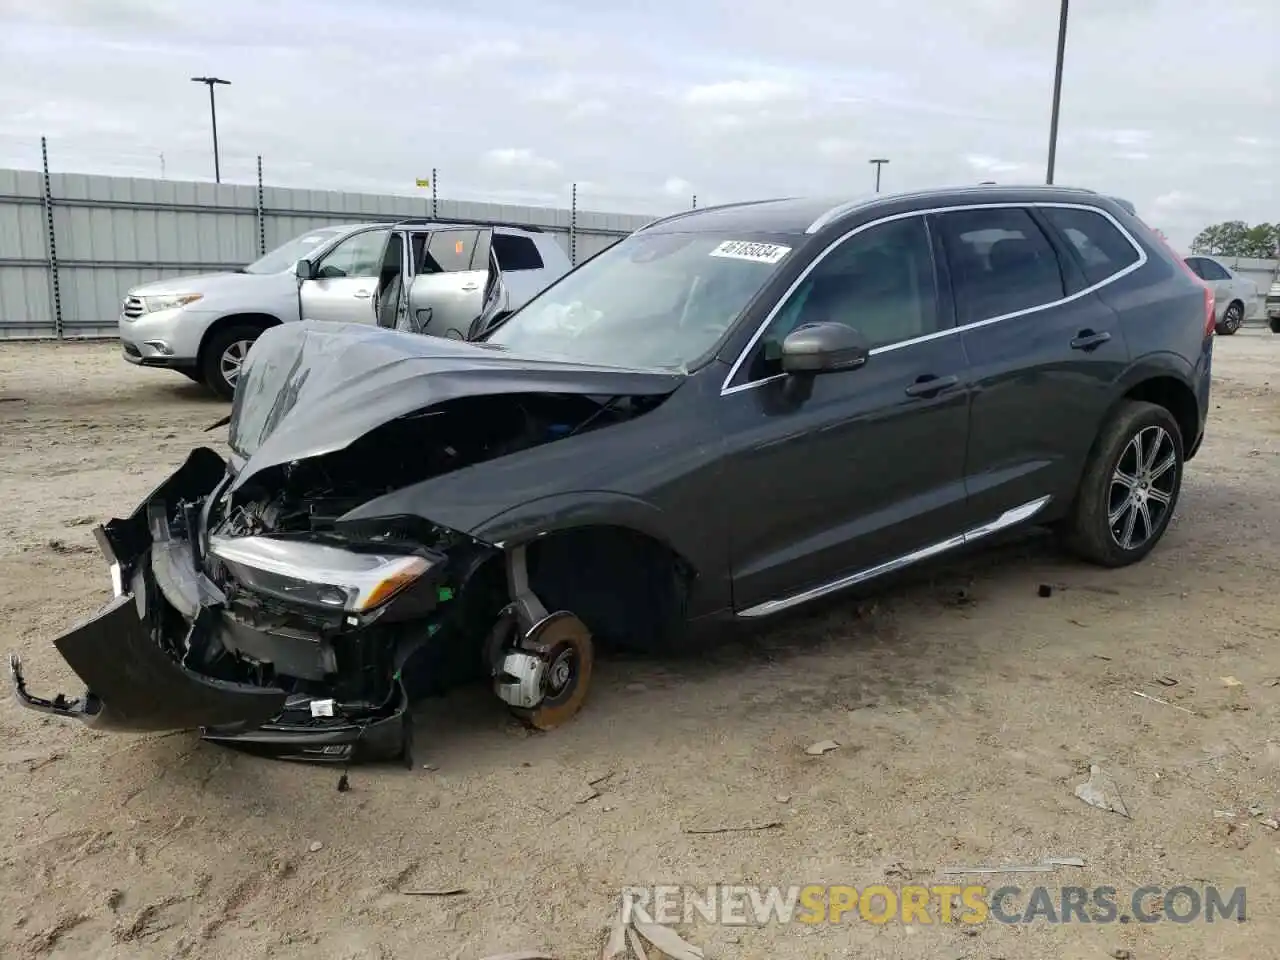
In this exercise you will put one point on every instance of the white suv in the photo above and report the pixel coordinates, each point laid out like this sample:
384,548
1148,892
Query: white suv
431,277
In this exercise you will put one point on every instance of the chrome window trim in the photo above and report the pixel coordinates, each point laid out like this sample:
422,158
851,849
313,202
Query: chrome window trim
726,389
1010,518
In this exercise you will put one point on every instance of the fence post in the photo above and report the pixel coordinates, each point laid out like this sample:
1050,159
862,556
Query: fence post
435,203
55,288
262,214
573,226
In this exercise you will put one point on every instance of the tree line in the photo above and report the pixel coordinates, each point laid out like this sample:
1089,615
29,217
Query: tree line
1235,238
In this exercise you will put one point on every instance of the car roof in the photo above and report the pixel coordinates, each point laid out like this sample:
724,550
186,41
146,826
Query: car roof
799,215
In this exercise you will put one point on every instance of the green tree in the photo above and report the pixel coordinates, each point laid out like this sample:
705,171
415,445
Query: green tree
1235,238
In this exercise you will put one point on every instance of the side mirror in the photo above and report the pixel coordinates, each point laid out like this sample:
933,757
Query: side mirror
304,270
823,348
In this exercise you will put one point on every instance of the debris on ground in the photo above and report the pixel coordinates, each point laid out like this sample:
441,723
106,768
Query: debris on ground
521,955
343,784
1166,681
1045,590
1121,954
616,945
821,747
587,795
1048,865
1166,703
668,941
1102,792
315,846
1231,682
783,798
443,892
743,828
1271,823
637,947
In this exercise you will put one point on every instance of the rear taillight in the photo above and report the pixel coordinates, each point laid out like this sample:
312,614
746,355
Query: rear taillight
1209,324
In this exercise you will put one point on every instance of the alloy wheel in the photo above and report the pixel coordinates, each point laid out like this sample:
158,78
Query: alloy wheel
233,359
1233,317
1142,487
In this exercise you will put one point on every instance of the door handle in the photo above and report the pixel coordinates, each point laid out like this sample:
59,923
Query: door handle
470,286
362,294
930,386
1087,340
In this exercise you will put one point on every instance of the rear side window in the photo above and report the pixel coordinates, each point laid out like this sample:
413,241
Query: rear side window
1102,249
1001,263
1213,271
516,252
451,251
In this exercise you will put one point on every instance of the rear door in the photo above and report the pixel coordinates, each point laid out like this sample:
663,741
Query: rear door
346,280
1044,349
455,281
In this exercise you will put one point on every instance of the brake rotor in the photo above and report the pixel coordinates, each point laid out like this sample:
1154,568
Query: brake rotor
564,644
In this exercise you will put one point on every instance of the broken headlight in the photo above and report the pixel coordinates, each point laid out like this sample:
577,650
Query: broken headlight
317,574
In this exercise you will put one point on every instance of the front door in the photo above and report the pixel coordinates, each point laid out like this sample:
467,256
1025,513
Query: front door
1045,348
346,280
829,478
454,281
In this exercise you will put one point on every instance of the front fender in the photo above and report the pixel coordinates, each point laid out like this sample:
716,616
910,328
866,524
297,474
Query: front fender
583,508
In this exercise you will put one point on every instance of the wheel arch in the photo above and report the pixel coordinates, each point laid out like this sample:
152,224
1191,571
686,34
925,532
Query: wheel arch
263,321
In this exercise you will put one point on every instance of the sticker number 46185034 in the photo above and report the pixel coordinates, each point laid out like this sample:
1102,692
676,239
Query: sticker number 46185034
747,250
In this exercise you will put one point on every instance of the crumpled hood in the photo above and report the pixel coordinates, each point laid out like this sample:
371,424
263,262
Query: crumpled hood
313,388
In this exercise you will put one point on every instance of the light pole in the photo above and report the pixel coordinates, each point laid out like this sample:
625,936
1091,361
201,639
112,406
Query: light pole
879,162
211,82
1057,92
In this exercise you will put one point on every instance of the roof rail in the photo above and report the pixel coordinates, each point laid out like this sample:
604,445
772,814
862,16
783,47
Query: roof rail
468,222
721,206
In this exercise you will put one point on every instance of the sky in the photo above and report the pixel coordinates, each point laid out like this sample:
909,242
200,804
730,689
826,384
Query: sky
1168,103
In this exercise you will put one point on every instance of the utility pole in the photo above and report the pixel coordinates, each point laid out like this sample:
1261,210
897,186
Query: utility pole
1057,92
211,82
878,164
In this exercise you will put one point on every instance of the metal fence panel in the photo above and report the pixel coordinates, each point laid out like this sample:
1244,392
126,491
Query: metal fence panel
113,233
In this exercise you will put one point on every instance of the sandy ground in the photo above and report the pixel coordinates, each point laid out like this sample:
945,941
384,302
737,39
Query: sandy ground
967,707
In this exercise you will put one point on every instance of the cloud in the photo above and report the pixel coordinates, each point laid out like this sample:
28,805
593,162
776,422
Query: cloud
515,102
520,159
985,164
740,92
676,187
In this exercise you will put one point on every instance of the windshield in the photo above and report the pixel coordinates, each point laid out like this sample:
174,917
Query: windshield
652,301
283,258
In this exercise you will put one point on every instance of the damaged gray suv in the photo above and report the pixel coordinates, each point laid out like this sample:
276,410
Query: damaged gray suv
731,413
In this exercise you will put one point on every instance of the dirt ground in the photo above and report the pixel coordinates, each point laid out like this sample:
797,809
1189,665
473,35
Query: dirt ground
967,708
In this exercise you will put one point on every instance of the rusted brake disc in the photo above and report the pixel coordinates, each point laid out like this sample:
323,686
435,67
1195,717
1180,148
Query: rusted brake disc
564,644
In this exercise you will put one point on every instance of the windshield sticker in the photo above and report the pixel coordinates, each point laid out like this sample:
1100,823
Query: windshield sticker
746,250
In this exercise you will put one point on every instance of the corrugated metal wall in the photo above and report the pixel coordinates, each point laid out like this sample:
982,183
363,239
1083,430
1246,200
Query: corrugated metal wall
111,233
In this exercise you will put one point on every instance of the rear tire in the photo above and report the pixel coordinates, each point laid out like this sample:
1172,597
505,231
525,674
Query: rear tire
224,353
1232,318
1275,324
1129,489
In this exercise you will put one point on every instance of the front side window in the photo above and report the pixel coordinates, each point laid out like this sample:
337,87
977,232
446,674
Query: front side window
1103,250
1001,263
357,256
880,282
653,301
